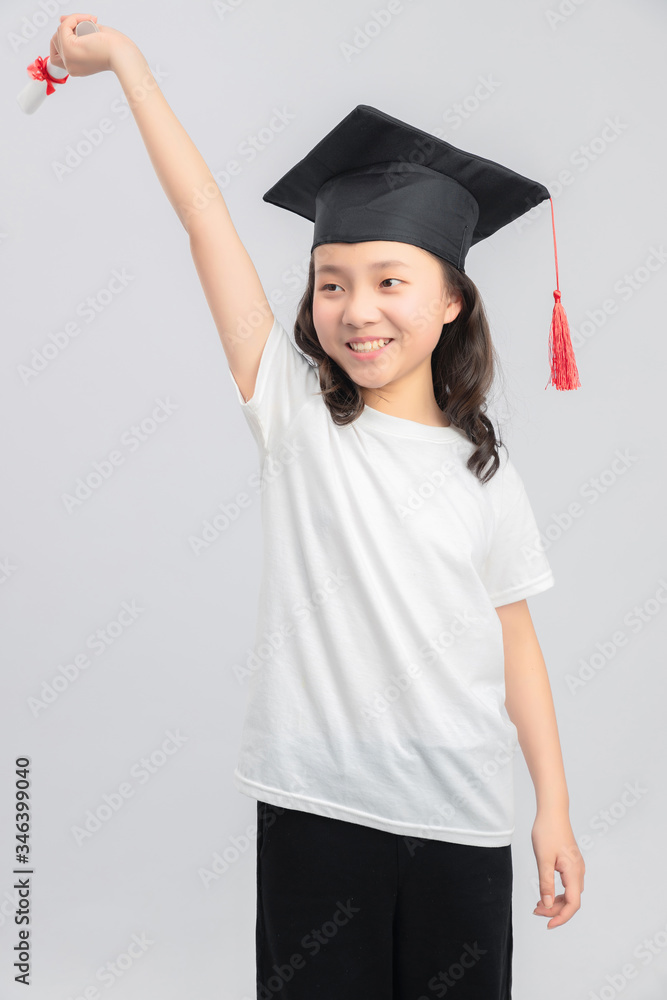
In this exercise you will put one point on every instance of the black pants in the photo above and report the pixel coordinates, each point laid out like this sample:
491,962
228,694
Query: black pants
348,912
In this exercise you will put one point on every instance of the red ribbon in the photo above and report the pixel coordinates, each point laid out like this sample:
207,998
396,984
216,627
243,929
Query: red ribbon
38,71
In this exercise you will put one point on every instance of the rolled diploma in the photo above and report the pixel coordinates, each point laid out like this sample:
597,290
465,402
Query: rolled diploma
33,94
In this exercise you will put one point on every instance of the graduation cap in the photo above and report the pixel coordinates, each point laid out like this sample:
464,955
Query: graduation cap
373,177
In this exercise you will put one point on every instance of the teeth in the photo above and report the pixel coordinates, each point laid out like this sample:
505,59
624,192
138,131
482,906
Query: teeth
370,345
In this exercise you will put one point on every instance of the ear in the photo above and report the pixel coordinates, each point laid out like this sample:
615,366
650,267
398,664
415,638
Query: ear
455,304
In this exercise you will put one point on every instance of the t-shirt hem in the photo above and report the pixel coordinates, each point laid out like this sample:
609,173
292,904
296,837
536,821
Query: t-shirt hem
524,590
333,810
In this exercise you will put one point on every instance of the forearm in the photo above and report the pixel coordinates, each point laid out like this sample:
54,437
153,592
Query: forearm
180,167
530,706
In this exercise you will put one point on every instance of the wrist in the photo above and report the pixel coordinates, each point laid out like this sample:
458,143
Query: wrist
124,53
553,806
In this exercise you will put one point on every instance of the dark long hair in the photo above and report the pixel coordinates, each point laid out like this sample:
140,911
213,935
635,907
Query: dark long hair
463,365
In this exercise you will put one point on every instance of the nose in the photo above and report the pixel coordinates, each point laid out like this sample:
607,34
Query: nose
360,308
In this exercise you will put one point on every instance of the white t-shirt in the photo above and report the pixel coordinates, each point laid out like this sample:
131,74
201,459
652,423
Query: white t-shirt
376,690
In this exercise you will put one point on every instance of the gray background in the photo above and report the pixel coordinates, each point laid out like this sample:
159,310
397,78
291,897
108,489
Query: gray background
554,77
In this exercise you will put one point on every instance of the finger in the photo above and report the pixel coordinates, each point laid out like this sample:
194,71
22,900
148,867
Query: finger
54,54
573,882
570,859
547,891
570,902
565,914
549,911
66,29
68,22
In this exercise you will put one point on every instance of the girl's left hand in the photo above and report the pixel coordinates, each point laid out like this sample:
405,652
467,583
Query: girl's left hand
556,849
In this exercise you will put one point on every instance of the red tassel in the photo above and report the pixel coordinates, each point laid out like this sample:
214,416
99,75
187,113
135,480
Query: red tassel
564,374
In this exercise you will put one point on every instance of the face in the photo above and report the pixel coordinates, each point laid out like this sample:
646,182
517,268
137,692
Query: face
385,292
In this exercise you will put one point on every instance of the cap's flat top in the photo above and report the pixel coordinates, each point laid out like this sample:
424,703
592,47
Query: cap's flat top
367,136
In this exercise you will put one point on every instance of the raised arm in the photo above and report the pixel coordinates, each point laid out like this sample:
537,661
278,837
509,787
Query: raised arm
234,293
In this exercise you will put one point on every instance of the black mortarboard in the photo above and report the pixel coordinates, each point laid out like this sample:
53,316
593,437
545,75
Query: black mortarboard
373,177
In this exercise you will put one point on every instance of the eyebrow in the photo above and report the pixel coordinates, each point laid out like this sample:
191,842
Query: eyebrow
332,269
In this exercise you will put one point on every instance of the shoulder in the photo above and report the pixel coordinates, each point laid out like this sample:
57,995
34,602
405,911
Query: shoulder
505,484
506,471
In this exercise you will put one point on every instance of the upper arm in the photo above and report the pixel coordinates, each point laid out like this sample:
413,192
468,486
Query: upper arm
514,617
519,639
234,293
518,629
520,643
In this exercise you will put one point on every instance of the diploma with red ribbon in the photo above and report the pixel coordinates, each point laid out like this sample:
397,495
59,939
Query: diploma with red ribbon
39,71
44,75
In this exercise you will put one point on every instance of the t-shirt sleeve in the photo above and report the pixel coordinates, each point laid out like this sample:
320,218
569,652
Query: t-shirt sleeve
285,382
516,566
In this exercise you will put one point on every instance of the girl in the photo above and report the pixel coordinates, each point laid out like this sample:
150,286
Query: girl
396,669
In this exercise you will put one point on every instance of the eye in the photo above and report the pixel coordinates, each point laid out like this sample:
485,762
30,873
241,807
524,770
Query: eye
329,286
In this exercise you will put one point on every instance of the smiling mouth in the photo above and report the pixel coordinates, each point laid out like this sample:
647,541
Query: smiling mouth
364,349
